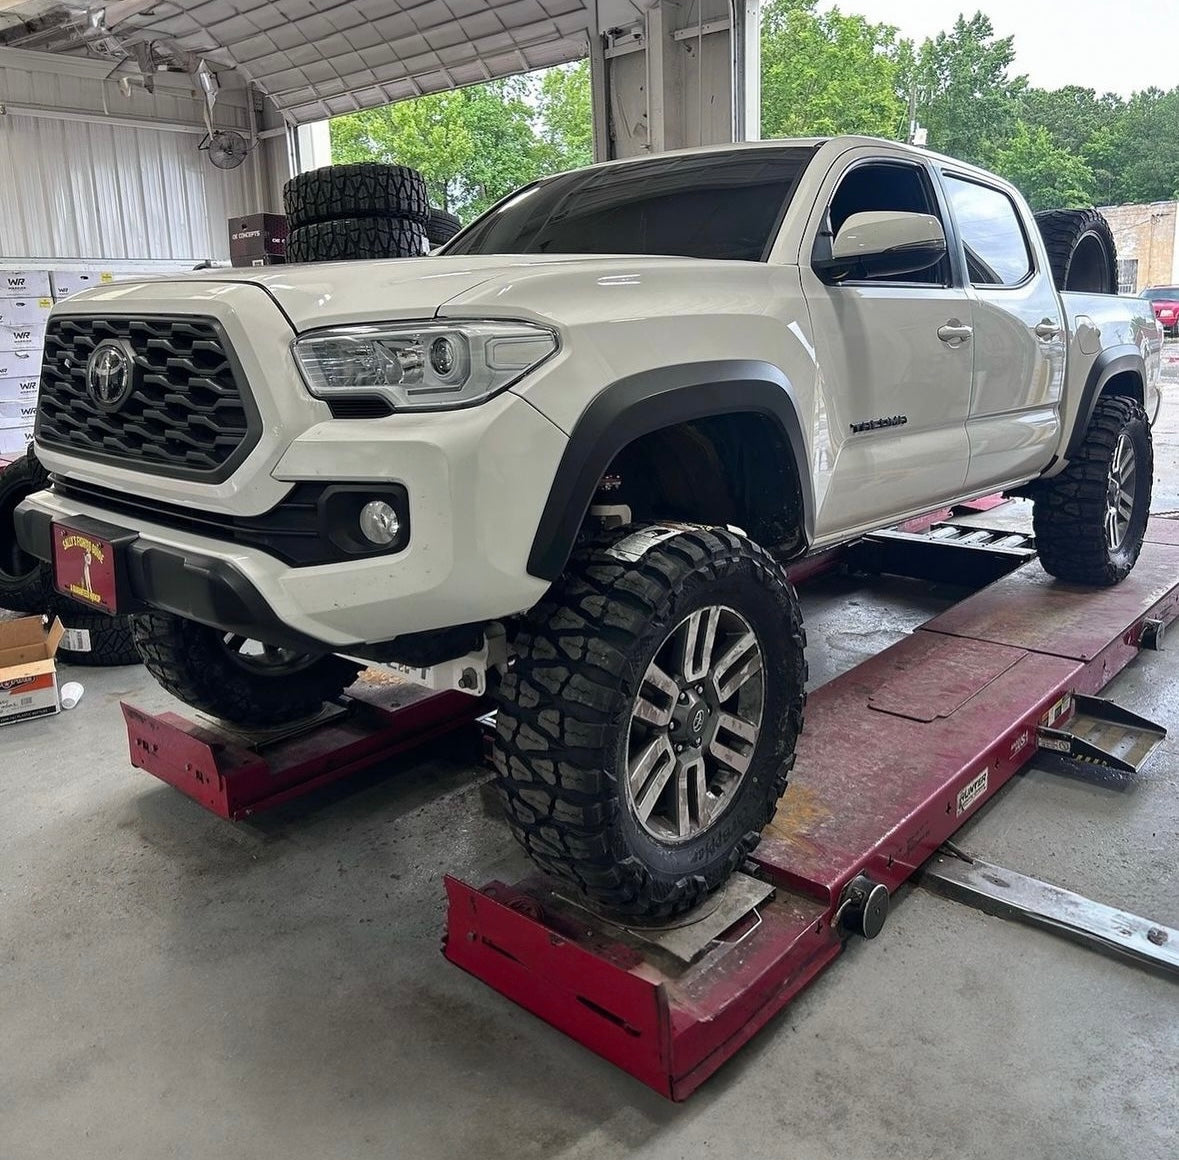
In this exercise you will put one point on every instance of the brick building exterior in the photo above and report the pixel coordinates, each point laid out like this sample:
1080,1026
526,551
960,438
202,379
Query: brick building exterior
1147,237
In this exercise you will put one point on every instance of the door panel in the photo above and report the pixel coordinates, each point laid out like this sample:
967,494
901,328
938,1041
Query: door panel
1018,375
880,357
1019,337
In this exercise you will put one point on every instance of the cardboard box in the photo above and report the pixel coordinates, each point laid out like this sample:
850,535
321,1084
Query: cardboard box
20,364
257,235
19,390
14,440
18,411
22,312
28,675
67,282
30,338
24,284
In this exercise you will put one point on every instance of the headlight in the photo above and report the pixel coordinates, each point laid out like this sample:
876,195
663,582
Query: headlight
423,367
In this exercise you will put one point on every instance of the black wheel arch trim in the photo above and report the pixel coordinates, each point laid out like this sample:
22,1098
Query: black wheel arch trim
639,404
1115,360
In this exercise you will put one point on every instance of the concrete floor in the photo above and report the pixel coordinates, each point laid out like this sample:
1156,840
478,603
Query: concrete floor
172,985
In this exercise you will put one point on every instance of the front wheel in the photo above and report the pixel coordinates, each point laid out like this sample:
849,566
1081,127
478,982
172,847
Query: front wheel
647,726
1090,519
233,677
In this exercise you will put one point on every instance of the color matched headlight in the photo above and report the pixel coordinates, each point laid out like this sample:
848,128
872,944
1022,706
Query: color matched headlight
430,366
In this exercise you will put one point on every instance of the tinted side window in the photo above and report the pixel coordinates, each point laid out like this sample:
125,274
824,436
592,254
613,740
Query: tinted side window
996,250
888,186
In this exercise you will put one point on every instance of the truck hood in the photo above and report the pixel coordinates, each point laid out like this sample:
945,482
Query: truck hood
339,293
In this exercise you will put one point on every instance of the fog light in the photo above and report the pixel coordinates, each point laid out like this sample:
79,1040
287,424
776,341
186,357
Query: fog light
379,522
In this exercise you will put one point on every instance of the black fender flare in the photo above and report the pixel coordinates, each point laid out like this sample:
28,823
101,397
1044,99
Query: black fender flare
1115,360
639,404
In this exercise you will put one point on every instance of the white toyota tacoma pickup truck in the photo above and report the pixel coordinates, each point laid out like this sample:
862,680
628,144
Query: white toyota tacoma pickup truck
565,460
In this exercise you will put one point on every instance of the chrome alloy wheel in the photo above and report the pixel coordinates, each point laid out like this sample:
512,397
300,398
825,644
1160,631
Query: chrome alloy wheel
1119,496
694,724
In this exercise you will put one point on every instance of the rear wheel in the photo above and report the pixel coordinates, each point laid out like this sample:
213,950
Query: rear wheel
1089,520
235,678
647,726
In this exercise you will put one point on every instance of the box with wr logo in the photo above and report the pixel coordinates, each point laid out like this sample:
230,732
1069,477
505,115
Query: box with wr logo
22,338
24,284
19,390
15,437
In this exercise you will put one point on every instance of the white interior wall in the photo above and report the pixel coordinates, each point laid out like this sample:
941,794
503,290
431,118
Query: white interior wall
87,173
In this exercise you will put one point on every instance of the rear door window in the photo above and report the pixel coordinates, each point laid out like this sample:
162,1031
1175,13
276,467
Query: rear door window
997,252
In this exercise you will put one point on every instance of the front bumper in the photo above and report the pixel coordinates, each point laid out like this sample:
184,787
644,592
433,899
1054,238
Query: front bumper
475,481
208,589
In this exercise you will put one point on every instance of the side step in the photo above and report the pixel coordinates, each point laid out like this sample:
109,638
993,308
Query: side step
1102,733
946,553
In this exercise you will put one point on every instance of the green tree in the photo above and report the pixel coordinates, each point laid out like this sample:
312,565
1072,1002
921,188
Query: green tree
565,116
825,73
965,98
474,145
1047,175
1145,146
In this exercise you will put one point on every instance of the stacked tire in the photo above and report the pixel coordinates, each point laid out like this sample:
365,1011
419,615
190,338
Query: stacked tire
441,227
26,585
355,212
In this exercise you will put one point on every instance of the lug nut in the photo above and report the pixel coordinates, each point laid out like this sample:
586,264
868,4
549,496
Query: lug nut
683,697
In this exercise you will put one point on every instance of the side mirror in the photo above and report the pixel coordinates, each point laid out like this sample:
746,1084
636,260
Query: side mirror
883,244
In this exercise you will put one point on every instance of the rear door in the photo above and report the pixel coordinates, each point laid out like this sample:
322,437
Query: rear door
1019,335
896,357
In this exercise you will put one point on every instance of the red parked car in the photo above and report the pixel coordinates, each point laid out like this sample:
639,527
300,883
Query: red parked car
1165,300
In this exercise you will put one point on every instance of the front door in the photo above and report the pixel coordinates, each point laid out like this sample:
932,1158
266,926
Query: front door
896,357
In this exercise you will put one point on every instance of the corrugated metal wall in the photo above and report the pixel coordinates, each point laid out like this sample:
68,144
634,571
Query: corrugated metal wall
72,189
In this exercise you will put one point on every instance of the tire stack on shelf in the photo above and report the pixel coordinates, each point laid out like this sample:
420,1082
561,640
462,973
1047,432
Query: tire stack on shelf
351,212
26,585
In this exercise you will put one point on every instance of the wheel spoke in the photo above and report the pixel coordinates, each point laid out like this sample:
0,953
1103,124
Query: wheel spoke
234,642
740,661
683,813
733,741
650,773
657,697
1111,527
699,637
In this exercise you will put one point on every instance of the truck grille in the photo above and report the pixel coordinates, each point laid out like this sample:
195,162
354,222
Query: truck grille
186,413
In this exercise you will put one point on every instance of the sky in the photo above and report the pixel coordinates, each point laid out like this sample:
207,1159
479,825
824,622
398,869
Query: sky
1108,45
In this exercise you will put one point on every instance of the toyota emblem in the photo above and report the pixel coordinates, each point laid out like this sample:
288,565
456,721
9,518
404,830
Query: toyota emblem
109,374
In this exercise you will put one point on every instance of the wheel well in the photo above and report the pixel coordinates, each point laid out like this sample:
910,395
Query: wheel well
1126,385
733,469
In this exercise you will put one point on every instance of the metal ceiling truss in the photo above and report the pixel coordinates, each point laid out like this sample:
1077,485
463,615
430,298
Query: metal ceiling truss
316,58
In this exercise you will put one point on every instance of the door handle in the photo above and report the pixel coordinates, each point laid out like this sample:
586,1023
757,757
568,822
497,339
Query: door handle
1047,329
954,331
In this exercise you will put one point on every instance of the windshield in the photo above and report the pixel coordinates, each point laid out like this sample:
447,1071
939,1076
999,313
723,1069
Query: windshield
1162,294
726,204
